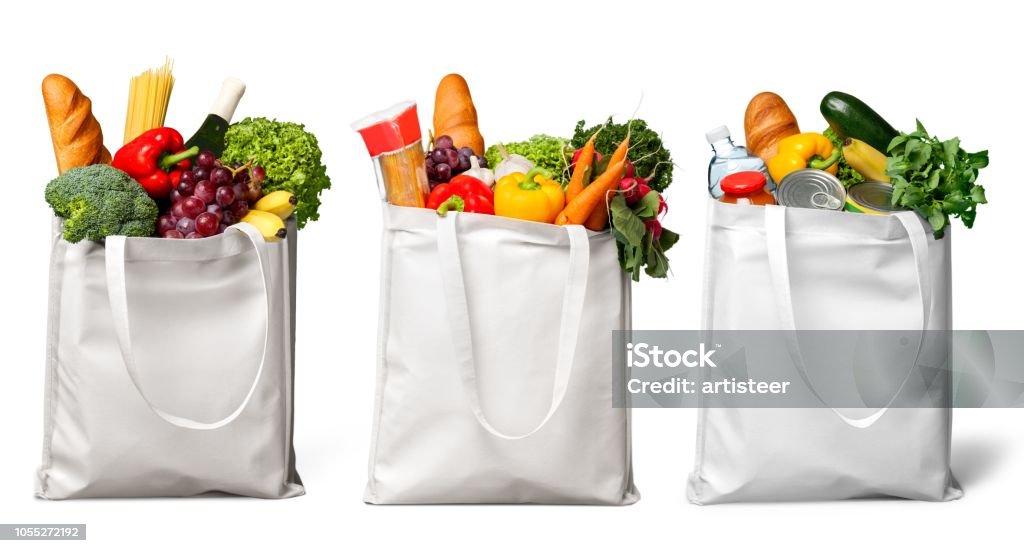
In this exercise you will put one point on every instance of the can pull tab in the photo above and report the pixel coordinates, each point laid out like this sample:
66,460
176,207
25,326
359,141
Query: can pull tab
822,200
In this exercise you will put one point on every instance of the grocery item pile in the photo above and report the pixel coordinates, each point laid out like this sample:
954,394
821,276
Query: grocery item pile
256,171
608,176
860,163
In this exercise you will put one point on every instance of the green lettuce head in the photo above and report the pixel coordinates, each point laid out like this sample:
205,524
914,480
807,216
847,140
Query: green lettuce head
290,155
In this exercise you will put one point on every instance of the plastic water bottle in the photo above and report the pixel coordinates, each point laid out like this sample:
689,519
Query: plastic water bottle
730,158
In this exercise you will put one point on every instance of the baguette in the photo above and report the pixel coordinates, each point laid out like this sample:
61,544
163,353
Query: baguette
767,121
77,136
455,114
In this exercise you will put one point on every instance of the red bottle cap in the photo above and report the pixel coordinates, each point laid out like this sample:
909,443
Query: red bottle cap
391,129
743,183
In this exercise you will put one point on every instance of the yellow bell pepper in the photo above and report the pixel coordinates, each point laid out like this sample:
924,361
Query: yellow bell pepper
533,196
800,151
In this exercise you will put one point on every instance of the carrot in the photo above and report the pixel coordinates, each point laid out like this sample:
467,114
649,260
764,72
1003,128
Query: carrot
580,173
577,211
620,150
598,218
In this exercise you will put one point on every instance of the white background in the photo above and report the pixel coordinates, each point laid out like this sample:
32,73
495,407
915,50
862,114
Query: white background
532,67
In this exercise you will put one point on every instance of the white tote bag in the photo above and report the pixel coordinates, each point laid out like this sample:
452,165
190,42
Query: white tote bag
784,269
170,367
494,364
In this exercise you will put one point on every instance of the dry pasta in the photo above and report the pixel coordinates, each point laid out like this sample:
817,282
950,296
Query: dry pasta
148,96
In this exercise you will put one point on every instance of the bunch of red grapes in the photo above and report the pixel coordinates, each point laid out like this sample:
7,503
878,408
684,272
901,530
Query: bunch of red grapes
445,161
210,197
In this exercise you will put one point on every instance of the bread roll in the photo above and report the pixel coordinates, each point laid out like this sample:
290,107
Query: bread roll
77,137
767,121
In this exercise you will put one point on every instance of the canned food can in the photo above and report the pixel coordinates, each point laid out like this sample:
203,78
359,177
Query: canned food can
811,188
870,197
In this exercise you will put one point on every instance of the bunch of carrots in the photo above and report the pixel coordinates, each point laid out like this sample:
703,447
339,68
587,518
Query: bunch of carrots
587,201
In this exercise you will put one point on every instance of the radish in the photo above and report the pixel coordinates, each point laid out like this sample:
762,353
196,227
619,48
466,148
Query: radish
653,227
630,171
634,189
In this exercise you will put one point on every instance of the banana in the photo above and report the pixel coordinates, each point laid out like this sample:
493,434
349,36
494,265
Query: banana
866,160
270,226
279,202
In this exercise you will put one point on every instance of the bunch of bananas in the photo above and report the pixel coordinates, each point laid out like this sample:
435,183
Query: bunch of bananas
270,212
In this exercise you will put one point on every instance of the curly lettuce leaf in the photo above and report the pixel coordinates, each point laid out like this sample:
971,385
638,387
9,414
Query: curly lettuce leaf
545,151
846,174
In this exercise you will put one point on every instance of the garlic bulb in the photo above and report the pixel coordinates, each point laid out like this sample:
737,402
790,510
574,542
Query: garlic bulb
479,173
511,163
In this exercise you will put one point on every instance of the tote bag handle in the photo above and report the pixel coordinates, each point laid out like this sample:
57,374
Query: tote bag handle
117,289
461,329
778,260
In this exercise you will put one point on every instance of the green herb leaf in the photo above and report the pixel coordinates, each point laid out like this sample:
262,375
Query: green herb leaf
667,239
626,224
937,218
978,160
978,194
896,142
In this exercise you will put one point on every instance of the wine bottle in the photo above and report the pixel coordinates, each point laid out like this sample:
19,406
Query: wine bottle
210,135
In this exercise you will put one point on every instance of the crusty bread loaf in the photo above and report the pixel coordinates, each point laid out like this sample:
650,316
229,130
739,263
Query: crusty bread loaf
767,121
455,114
77,137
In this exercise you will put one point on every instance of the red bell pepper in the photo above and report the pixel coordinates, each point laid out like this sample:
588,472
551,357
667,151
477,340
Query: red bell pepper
475,196
156,159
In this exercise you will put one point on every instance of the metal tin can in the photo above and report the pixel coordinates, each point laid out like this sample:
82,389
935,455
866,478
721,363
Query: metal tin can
870,197
811,188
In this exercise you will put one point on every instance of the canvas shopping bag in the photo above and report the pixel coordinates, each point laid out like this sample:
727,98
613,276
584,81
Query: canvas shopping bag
784,269
494,363
170,367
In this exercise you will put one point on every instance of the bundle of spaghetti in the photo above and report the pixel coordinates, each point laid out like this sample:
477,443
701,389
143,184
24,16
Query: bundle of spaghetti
148,96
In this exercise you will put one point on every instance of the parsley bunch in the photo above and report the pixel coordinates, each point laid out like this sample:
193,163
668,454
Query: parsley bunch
935,178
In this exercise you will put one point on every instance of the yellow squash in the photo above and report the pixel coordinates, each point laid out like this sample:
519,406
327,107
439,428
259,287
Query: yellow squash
866,160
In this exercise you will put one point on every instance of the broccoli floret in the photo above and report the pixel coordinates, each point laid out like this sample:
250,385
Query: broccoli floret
99,201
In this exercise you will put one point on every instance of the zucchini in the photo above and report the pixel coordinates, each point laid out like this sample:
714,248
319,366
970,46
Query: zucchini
852,118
